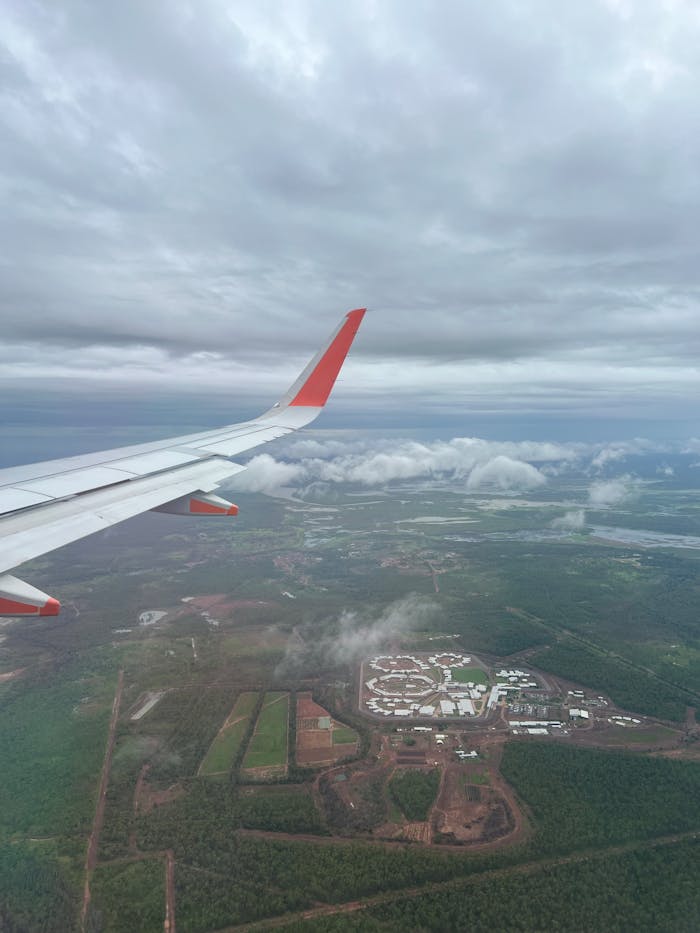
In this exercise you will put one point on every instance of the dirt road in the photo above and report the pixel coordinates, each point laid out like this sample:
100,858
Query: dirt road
94,839
169,924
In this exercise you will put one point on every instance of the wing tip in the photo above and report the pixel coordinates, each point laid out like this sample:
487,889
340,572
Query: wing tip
51,607
319,382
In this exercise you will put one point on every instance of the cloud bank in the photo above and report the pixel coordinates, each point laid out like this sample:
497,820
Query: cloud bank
473,462
193,193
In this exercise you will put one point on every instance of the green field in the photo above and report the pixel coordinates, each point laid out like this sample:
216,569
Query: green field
344,735
620,735
464,675
222,751
268,745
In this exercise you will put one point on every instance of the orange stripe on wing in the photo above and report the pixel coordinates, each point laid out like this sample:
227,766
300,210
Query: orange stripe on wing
318,386
198,507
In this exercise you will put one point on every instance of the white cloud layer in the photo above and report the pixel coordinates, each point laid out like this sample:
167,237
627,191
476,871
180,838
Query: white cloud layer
475,462
505,474
574,520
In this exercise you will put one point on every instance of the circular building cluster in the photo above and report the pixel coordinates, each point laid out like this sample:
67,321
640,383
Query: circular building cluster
448,659
398,664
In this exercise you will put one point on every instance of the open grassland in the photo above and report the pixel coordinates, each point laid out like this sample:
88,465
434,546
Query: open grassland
464,675
344,735
222,751
619,735
268,745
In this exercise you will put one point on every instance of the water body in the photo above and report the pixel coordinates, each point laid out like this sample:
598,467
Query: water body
630,537
436,520
646,539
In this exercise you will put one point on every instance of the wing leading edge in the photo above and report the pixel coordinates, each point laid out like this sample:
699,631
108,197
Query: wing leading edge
46,505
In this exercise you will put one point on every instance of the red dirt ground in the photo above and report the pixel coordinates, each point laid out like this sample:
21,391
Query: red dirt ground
314,738
307,709
315,746
222,603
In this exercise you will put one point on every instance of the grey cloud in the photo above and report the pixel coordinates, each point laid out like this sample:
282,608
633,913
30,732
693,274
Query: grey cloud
513,191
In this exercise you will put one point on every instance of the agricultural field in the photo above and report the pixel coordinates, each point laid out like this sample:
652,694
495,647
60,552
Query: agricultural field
344,735
267,749
320,739
223,750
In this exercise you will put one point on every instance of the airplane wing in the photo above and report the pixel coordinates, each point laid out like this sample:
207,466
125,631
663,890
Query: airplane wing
46,505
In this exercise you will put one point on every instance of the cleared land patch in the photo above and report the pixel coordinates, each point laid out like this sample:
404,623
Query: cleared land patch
268,745
222,751
320,739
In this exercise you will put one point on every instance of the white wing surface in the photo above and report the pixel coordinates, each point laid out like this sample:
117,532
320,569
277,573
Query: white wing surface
46,505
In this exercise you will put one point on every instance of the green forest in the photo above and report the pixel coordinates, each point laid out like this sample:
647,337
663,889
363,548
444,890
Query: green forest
414,791
581,798
653,890
629,688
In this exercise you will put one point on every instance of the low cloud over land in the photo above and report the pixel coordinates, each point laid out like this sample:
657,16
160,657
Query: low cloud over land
354,635
605,494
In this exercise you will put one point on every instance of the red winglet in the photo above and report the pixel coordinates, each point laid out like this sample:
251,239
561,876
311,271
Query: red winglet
318,386
10,607
51,607
199,507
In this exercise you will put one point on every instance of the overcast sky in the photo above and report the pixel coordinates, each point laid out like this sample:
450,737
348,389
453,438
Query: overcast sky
193,193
